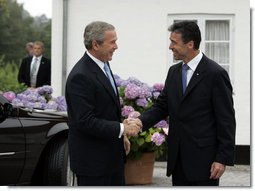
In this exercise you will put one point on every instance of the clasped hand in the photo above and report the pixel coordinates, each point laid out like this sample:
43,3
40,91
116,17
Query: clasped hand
132,126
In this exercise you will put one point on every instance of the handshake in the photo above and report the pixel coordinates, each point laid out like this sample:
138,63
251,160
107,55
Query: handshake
132,126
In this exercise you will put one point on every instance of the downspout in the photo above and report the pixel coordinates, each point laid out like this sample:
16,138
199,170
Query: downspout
64,47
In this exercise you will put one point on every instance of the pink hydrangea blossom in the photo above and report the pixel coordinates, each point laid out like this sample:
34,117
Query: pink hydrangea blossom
9,95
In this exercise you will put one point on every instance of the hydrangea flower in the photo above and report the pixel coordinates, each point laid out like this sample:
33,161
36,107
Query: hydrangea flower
142,102
162,124
61,102
10,95
158,87
126,110
158,138
134,114
132,91
39,98
135,98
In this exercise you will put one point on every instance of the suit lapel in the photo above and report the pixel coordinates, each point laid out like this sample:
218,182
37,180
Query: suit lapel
196,77
103,80
179,80
29,66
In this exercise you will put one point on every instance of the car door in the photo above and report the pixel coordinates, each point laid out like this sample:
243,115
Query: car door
12,149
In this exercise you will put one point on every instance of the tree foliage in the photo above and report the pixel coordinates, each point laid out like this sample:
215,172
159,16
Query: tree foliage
17,28
8,77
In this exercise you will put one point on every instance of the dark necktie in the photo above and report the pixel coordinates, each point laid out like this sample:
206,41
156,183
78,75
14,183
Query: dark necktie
185,68
108,74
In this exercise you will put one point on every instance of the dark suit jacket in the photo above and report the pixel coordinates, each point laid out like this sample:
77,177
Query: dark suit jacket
94,121
43,75
202,121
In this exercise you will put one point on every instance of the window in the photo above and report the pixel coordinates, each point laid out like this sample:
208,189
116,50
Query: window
217,34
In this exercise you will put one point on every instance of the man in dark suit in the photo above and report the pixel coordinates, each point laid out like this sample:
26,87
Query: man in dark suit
35,71
199,103
96,137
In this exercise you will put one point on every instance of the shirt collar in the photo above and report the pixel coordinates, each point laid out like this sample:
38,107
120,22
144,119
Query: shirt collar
98,62
39,58
195,61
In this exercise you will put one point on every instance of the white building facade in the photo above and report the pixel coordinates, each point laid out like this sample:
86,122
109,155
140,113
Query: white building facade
143,41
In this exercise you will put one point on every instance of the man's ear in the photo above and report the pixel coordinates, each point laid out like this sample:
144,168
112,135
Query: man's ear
94,44
191,44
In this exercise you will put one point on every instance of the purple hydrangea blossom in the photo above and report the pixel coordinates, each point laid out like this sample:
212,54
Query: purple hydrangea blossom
118,80
29,105
142,102
134,114
61,102
126,110
17,102
162,124
51,105
144,91
45,90
37,105
32,97
158,138
132,80
40,98
132,91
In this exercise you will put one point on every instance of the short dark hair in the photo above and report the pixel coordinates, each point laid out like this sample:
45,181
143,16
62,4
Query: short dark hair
189,31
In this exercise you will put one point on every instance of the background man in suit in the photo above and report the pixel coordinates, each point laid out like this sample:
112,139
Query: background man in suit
96,143
29,48
201,138
35,71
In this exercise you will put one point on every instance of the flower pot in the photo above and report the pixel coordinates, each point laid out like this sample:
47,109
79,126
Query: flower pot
138,172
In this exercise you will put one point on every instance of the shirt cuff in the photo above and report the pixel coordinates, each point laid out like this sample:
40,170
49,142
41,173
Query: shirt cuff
121,130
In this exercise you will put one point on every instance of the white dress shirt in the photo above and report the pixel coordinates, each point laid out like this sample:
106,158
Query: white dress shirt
193,65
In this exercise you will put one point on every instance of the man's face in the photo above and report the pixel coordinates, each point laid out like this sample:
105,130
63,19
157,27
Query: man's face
179,48
106,49
37,50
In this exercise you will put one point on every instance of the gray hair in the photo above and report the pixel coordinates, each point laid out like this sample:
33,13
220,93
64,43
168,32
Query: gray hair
95,31
39,43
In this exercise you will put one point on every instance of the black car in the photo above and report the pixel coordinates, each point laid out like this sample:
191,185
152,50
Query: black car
33,147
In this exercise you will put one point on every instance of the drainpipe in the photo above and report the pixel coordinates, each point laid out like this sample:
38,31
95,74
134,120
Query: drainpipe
64,47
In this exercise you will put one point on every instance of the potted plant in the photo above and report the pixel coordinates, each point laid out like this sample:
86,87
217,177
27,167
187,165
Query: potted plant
135,98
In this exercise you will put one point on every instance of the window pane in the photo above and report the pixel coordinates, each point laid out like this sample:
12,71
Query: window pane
217,30
218,51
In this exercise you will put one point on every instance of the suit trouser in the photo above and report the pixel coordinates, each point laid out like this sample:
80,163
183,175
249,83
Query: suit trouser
179,178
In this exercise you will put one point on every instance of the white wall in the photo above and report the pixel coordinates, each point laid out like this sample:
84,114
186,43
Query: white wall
143,41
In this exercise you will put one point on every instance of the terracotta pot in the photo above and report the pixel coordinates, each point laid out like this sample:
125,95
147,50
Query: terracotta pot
140,171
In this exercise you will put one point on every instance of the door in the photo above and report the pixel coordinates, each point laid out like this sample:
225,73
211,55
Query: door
12,150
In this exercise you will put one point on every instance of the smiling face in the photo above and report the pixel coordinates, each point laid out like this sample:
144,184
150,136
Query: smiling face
105,50
181,51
